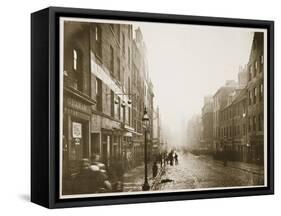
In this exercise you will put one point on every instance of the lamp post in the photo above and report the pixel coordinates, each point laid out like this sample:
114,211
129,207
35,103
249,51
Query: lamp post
145,120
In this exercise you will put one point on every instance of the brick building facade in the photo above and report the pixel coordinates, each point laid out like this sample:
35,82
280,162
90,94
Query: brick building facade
106,87
238,111
255,92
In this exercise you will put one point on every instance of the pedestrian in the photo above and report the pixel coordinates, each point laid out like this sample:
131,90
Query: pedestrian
82,182
154,169
171,157
176,159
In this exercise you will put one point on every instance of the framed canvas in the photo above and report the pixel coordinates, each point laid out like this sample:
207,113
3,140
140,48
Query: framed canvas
139,107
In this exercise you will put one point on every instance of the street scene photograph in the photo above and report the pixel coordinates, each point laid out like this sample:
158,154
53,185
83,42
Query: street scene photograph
157,107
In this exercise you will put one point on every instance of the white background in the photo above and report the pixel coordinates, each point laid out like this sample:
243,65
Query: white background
15,106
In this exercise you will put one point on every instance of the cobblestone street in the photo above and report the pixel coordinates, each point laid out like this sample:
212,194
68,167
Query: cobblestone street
204,172
197,172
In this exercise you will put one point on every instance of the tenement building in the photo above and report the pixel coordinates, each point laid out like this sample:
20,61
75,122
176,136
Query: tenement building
77,100
238,111
233,120
220,99
255,92
207,123
106,89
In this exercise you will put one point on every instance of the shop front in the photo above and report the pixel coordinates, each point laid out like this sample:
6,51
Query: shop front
76,132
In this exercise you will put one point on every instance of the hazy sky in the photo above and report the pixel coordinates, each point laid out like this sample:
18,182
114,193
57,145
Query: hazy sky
188,62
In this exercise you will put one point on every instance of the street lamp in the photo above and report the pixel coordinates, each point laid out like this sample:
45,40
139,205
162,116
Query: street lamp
145,120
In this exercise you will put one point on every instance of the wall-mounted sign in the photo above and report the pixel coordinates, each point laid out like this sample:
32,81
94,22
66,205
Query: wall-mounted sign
76,130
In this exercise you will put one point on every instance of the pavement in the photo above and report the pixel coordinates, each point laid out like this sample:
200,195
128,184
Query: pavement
134,179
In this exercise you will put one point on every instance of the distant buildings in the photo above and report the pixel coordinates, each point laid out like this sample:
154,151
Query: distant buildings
194,133
220,101
207,123
106,87
237,120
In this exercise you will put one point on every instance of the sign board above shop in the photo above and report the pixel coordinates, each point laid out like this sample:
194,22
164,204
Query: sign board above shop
76,130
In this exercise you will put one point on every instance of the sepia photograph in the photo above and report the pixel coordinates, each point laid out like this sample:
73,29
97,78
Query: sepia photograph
151,107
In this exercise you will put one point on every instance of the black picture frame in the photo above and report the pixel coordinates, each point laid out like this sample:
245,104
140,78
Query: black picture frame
45,106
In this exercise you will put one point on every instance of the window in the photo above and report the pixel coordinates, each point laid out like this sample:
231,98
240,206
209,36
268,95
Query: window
123,43
119,109
124,113
249,124
254,123
255,94
75,57
111,60
129,115
253,69
250,97
256,65
129,86
129,57
261,91
98,41
118,69
260,122
261,59
97,33
99,94
250,72
112,103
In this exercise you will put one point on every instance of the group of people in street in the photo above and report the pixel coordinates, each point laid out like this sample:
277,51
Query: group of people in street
172,158
95,177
